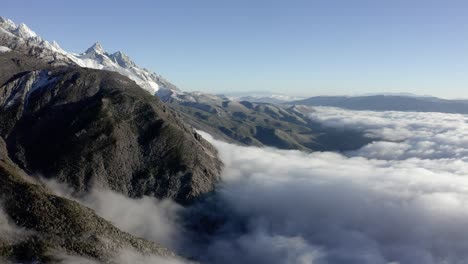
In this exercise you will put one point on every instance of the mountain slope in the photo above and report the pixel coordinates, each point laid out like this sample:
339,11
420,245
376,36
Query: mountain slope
87,128
48,225
91,128
262,124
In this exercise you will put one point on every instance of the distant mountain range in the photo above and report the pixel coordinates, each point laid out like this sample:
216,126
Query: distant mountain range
260,97
388,103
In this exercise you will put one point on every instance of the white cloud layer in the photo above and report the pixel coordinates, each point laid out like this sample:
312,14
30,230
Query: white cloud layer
402,199
390,202
414,134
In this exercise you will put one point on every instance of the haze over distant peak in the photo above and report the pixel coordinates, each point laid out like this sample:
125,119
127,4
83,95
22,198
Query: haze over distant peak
261,97
403,94
379,102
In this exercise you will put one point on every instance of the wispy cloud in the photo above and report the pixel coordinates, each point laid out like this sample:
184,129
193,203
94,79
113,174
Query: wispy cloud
146,217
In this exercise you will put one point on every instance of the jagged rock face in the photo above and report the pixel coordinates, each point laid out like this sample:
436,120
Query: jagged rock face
97,128
48,224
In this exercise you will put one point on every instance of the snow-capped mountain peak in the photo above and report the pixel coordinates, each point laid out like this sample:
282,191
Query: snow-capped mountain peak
96,57
123,60
21,30
7,24
24,31
22,38
96,48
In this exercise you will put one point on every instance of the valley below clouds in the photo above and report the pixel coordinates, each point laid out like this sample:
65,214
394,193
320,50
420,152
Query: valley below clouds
400,199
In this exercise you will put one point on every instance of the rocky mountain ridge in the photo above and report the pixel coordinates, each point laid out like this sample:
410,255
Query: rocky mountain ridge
22,38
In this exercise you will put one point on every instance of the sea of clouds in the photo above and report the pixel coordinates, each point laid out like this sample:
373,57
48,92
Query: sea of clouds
403,135
401,199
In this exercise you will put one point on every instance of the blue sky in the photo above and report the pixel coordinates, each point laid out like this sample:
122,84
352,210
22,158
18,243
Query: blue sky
295,47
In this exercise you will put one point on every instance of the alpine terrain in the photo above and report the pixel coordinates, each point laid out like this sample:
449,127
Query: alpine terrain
85,121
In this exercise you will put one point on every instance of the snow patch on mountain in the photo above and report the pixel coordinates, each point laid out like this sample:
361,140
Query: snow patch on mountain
4,49
25,86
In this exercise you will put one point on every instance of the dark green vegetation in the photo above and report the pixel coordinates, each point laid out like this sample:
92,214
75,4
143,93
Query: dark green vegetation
263,124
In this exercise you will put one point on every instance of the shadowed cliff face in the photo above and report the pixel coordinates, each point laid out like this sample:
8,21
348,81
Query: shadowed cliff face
97,128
